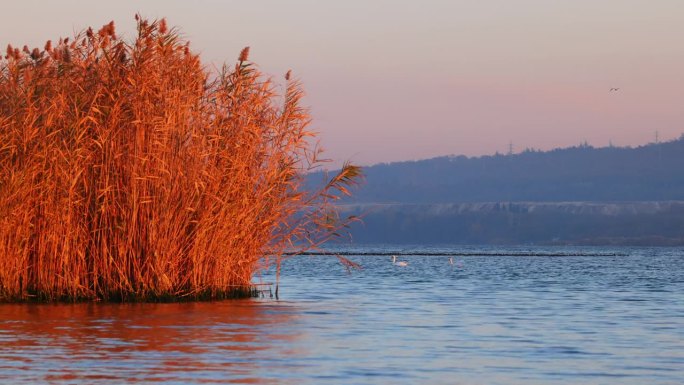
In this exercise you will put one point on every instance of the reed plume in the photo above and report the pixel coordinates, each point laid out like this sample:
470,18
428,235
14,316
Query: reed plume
128,172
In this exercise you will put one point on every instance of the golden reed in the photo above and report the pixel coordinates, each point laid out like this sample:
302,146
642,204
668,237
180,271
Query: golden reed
130,173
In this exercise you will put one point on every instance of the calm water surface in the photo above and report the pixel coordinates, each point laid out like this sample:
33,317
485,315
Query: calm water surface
484,320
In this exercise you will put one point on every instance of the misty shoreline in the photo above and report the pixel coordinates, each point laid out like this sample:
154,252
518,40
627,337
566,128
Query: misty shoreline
651,223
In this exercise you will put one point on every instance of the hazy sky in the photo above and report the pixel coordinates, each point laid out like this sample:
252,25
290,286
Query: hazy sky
394,80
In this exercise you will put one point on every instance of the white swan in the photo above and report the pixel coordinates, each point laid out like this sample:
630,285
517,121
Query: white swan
451,260
400,263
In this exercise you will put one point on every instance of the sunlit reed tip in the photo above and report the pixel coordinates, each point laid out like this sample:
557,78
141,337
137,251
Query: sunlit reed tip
35,54
66,55
48,46
287,74
162,26
107,30
244,54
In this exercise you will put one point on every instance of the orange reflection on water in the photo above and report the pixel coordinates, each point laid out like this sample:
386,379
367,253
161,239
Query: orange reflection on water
205,342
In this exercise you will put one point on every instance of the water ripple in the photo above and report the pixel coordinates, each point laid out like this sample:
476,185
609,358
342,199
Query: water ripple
614,318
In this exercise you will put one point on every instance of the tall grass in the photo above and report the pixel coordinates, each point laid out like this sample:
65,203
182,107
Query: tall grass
129,172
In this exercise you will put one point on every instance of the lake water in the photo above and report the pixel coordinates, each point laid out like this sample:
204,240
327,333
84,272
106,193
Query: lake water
504,319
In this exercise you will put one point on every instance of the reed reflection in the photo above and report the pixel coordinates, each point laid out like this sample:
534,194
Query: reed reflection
208,341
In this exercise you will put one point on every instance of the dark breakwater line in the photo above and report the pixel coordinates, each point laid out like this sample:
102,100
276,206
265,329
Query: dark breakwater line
463,254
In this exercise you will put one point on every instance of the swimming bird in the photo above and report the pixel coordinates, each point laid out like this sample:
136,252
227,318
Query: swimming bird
451,260
400,263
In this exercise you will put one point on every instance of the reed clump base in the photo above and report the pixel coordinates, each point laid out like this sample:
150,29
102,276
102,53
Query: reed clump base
128,172
241,292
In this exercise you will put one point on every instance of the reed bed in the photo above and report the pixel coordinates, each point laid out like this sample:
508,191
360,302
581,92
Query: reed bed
129,172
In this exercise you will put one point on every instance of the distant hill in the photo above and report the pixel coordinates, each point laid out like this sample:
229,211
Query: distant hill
578,195
652,172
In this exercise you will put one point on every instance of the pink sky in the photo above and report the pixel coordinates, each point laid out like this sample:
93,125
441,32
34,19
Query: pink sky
398,80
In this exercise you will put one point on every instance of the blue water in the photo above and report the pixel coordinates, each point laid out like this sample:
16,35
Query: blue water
483,320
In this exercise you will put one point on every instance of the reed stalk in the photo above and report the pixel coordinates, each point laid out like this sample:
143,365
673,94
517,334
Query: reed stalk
128,172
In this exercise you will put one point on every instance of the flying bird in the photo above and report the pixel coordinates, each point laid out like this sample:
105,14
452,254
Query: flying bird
614,89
